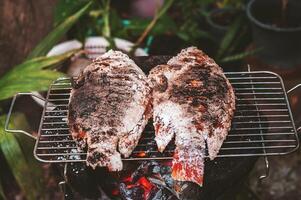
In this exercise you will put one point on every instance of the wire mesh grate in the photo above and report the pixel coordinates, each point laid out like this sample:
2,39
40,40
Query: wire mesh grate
262,125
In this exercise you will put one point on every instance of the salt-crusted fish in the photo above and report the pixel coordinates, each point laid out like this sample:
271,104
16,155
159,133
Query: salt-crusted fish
109,108
193,101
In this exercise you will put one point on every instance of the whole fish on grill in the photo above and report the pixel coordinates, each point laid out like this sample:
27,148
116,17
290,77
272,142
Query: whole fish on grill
109,108
193,101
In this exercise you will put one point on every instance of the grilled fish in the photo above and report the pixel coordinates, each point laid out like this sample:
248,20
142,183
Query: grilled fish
109,108
193,101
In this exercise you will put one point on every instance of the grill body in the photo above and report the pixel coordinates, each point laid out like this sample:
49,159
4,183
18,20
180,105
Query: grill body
263,123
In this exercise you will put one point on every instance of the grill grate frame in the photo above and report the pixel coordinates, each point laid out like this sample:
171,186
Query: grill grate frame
263,124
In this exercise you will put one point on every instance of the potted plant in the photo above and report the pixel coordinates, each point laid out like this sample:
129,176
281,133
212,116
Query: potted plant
221,16
276,29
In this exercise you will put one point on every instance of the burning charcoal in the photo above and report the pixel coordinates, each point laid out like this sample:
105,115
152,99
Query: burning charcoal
131,192
145,169
165,170
168,180
162,186
156,169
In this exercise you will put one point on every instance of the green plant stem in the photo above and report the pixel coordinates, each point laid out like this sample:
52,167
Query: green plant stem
228,38
238,40
146,31
106,19
240,56
167,4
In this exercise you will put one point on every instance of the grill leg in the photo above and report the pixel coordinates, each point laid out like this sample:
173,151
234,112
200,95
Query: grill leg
267,170
66,190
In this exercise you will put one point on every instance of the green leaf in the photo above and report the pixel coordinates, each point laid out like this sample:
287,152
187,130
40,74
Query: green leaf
106,31
135,27
229,38
23,172
116,24
66,8
53,37
239,41
31,75
33,81
190,32
164,25
43,62
2,195
164,8
240,56
166,5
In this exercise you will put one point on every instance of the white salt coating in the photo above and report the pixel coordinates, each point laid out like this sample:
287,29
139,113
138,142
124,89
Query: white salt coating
173,118
134,117
134,113
185,53
119,59
219,134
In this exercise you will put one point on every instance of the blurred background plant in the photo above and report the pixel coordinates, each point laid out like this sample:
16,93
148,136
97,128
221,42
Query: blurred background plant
172,26
34,74
238,4
184,25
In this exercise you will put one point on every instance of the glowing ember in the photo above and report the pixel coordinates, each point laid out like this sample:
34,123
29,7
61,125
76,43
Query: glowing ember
115,192
143,183
141,154
148,181
127,179
146,185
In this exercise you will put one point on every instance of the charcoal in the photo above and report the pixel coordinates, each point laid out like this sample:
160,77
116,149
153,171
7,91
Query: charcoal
188,190
156,169
133,193
158,193
165,170
168,180
145,169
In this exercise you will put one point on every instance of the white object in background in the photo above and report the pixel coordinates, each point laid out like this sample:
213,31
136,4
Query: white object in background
95,46
65,47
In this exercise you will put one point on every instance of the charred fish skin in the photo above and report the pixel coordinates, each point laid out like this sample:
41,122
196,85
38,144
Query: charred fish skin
193,101
109,108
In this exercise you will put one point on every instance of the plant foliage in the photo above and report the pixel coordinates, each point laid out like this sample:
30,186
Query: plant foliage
31,76
52,38
34,74
27,176
2,195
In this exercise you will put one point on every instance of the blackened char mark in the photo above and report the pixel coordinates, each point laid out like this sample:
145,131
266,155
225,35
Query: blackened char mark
72,113
77,82
84,104
161,85
199,83
104,80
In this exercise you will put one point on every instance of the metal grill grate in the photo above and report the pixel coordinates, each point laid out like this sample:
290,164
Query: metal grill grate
262,125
